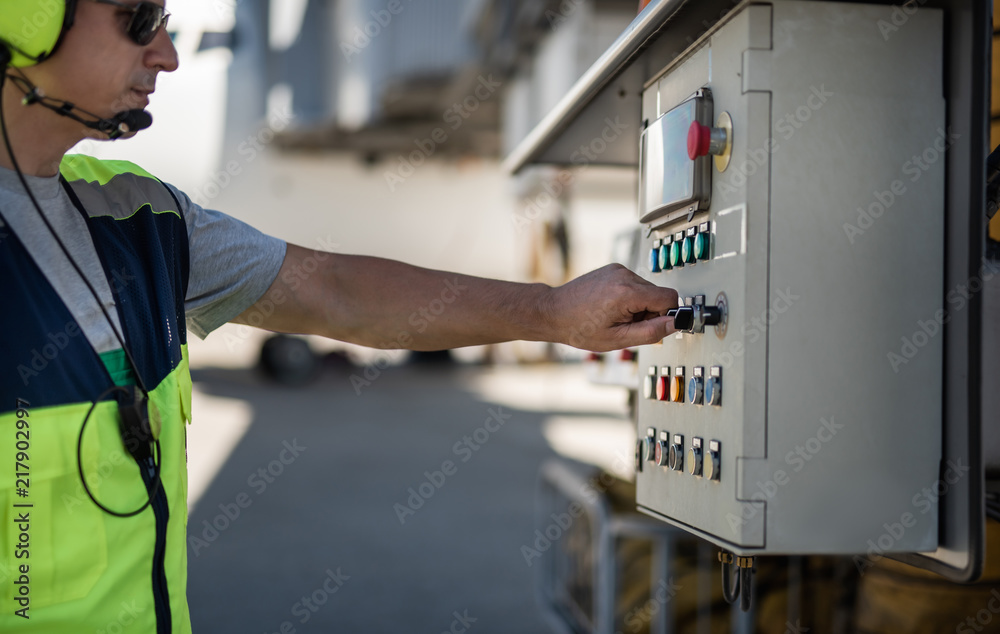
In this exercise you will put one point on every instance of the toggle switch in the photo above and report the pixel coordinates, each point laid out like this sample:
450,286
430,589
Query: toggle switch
694,318
702,241
683,318
675,250
677,385
714,463
675,460
654,257
695,457
713,387
664,255
662,449
696,386
687,247
663,384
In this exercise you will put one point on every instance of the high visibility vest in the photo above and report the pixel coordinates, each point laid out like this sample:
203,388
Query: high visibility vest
66,566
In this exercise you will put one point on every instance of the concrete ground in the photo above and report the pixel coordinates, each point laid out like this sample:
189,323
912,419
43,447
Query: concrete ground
399,509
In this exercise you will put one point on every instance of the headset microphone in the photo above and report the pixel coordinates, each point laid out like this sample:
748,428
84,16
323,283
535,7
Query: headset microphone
123,123
127,122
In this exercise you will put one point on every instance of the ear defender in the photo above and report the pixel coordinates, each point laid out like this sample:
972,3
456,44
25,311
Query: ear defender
33,29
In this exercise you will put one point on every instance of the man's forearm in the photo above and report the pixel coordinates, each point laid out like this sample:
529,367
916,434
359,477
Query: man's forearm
387,304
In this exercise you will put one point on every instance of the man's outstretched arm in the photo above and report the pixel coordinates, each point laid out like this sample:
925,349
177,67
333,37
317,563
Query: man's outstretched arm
388,304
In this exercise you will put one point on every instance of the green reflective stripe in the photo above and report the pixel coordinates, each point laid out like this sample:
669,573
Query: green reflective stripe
118,367
87,168
133,189
90,571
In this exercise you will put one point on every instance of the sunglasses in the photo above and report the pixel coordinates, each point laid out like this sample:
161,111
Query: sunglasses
147,18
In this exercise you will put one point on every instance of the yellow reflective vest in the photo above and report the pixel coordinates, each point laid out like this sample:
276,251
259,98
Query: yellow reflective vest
66,566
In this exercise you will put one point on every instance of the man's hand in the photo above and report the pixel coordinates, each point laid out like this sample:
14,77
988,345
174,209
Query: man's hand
388,304
609,309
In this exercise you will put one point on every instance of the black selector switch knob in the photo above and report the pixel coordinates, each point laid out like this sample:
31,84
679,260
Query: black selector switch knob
683,317
713,315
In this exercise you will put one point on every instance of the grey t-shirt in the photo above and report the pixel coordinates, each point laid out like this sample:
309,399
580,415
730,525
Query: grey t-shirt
231,263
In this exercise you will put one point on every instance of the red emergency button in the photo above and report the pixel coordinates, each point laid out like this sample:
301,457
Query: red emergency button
699,138
703,140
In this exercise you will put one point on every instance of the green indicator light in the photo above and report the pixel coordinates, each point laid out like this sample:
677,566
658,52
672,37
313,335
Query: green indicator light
665,258
687,250
701,246
675,255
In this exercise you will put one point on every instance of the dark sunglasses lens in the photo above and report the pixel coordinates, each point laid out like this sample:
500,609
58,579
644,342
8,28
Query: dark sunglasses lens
146,23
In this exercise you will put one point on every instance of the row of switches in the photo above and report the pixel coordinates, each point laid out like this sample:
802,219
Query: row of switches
684,247
668,385
667,451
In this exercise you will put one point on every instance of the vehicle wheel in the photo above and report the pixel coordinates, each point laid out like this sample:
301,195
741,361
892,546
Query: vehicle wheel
288,360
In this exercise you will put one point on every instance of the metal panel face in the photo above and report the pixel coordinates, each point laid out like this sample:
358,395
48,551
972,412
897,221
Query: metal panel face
808,419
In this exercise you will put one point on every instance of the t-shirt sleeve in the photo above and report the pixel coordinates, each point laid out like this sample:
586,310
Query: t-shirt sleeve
231,266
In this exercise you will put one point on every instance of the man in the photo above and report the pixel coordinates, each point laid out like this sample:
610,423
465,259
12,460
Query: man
103,270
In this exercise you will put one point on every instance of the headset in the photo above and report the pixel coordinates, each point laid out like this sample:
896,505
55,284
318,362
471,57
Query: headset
30,33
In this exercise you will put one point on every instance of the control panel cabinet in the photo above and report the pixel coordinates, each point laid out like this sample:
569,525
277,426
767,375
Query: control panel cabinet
792,191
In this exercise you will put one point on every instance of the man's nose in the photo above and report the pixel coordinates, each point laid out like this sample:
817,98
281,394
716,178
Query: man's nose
160,53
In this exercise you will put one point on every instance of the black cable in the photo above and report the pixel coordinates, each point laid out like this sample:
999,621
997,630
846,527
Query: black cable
746,583
79,462
76,267
993,513
730,591
112,128
992,182
157,470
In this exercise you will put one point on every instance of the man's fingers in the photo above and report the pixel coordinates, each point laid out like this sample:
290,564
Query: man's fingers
648,331
653,299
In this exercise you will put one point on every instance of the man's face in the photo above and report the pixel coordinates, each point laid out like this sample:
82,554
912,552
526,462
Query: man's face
99,68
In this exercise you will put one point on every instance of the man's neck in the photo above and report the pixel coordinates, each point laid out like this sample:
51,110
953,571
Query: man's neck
38,136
